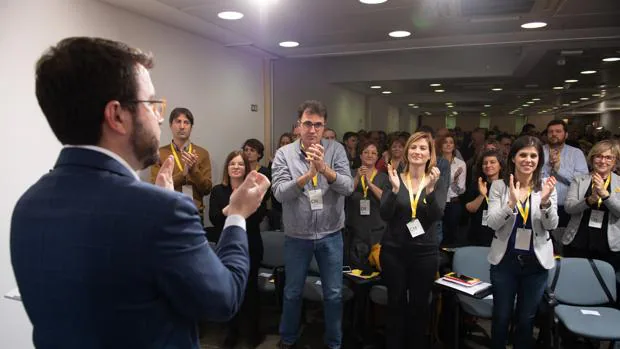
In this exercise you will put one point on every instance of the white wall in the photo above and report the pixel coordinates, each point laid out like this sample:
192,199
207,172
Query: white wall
297,80
216,83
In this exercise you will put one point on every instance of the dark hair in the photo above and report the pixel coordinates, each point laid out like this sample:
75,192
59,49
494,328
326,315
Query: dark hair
78,77
485,154
232,155
368,144
285,134
504,135
557,122
520,143
257,145
348,135
176,112
527,128
312,107
427,129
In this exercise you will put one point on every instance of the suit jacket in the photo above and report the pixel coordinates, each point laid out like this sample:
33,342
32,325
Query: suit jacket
502,219
199,177
103,260
576,204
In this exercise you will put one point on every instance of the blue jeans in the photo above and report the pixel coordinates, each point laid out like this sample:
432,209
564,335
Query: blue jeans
526,279
297,256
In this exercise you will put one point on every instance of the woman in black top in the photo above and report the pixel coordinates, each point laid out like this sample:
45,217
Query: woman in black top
491,168
409,251
236,169
275,214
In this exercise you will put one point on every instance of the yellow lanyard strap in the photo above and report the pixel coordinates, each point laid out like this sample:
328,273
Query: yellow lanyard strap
525,212
414,200
364,186
607,182
176,156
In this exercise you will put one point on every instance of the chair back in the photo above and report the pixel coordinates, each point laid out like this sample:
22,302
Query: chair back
578,285
472,261
273,245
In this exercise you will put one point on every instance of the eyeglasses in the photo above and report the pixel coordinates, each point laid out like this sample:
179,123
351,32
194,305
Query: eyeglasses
308,125
158,106
608,158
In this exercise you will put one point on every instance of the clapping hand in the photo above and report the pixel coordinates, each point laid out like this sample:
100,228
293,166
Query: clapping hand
248,196
514,191
164,176
599,185
189,160
314,155
394,180
433,177
482,187
547,189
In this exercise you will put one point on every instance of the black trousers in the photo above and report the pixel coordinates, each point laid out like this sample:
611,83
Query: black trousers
408,271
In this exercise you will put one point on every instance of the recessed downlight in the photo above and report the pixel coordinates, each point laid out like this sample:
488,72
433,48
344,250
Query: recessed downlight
440,91
372,2
289,44
587,72
536,99
570,81
386,92
558,87
487,106
533,25
584,98
435,85
399,34
596,95
497,89
230,15
374,87
611,59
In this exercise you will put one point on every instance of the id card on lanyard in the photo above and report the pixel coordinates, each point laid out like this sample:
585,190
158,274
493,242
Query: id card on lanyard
414,226
524,235
365,203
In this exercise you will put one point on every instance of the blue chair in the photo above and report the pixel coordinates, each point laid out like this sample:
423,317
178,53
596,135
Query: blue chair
273,257
583,307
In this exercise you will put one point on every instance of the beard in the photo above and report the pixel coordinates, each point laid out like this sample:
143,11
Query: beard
145,146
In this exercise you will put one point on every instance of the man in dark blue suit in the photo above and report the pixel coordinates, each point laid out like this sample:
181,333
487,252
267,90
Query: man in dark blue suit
103,260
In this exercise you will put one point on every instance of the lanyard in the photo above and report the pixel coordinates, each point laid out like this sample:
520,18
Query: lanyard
607,182
315,179
176,156
364,186
257,167
414,200
525,212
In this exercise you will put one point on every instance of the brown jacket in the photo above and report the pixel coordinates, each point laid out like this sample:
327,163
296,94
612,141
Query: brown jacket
199,176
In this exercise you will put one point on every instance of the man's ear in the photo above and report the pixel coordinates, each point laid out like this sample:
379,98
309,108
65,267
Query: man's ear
115,118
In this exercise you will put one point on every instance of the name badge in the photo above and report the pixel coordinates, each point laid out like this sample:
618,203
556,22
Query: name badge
596,219
316,199
485,218
188,190
524,236
415,228
365,207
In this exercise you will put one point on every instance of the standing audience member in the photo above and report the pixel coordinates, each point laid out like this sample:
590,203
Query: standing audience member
522,211
254,150
351,141
394,156
192,170
275,214
329,134
457,174
311,178
236,169
409,249
593,201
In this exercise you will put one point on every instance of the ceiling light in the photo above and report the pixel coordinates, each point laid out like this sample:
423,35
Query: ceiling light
525,105
450,106
399,34
411,104
435,85
558,88
571,80
415,107
536,99
289,44
574,102
440,91
584,98
448,103
427,113
565,105
611,59
487,106
530,102
586,72
372,2
375,86
496,89
386,92
533,25
596,95
230,15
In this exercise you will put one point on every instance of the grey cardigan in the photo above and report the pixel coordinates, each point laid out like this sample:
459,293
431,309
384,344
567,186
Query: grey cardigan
576,204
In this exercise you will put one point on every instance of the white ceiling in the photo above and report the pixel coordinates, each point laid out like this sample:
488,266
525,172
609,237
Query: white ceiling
480,41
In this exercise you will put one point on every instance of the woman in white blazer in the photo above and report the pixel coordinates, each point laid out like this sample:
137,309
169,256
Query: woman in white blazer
522,211
593,201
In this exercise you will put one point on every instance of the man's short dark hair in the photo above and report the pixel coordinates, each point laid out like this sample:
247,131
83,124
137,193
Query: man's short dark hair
348,135
77,78
176,112
312,107
257,145
427,129
557,122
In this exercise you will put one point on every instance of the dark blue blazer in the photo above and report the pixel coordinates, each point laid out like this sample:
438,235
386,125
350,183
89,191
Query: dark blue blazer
103,260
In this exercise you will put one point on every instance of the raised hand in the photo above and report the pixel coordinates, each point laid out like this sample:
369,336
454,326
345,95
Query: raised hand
514,191
363,171
189,160
164,176
599,185
248,196
547,189
433,177
457,174
394,180
482,187
554,159
315,154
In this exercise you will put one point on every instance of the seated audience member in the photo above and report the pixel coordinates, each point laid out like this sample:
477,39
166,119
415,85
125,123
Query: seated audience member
363,221
236,168
491,169
409,249
457,173
522,211
593,201
102,259
192,170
